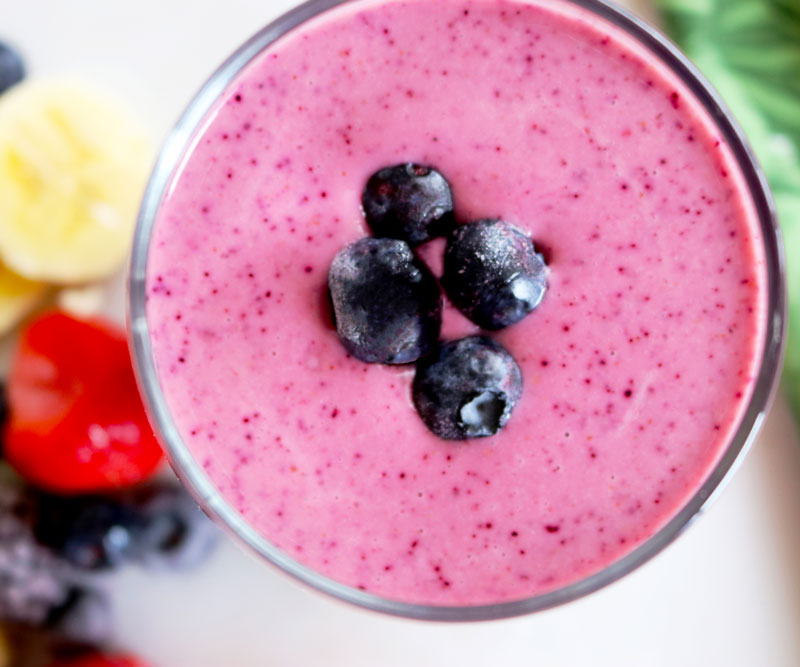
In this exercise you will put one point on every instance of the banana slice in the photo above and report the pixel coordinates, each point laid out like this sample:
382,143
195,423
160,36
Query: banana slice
73,166
84,301
18,297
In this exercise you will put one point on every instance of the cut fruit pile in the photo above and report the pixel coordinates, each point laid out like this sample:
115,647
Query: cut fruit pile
77,454
76,433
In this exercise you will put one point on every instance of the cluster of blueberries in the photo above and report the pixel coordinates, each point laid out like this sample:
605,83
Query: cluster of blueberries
50,545
387,304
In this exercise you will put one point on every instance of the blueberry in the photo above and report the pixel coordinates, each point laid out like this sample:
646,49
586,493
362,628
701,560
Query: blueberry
467,388
90,532
12,69
157,525
410,202
386,303
175,533
492,273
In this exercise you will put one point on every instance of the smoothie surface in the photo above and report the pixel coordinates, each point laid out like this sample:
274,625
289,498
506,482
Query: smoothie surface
637,366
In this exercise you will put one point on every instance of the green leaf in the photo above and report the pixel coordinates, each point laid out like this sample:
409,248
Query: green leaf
750,51
698,7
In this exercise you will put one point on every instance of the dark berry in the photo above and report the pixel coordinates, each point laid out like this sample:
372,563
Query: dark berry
3,404
3,412
33,581
175,533
157,525
492,273
12,69
467,388
386,303
408,202
84,618
90,532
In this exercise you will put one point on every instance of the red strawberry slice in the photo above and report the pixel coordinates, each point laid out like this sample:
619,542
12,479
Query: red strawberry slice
76,423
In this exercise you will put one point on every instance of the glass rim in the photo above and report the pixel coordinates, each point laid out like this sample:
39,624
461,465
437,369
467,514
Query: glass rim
205,492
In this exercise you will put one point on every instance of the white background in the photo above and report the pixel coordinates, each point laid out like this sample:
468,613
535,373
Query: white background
727,593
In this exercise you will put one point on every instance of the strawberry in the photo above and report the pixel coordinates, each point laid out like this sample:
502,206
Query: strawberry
101,660
76,423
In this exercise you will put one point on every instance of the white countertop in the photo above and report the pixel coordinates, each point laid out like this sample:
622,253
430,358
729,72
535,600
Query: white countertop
726,593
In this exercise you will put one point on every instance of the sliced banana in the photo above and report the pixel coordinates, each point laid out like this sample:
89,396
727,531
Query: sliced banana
83,301
73,165
18,297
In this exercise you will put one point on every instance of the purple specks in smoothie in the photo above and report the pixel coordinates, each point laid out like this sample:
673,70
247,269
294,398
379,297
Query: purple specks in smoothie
636,312
413,546
552,528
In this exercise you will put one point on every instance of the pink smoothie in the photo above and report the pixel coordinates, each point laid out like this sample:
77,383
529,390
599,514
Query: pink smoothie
637,366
